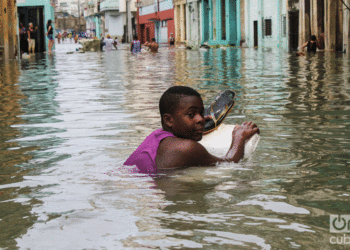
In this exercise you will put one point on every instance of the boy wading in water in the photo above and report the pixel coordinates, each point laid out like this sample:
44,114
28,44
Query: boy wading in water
176,144
153,46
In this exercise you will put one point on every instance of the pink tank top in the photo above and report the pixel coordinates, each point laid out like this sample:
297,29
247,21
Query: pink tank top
144,157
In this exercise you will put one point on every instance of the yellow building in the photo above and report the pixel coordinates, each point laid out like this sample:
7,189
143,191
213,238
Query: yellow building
180,21
8,27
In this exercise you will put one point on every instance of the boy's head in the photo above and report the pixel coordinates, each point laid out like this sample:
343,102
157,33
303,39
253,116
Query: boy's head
313,38
153,39
135,37
181,109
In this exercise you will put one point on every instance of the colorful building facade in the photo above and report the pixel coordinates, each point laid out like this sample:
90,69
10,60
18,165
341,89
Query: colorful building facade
155,20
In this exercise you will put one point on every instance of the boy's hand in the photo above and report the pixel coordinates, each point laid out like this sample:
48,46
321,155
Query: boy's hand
245,131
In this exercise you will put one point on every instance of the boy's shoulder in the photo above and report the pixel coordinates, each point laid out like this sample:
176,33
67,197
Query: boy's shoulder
177,144
175,152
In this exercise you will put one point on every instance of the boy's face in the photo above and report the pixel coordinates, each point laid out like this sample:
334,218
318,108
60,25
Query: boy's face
187,120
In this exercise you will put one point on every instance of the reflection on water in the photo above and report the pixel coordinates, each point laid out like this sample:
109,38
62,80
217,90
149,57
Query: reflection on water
69,121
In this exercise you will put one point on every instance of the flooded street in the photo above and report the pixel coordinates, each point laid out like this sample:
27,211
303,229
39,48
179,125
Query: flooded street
69,121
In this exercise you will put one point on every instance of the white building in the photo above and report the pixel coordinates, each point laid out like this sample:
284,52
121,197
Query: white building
69,6
115,17
265,23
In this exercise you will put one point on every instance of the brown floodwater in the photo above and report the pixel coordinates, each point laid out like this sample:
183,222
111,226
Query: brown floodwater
69,121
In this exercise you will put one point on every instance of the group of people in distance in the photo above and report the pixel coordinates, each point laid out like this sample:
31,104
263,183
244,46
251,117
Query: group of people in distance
136,45
28,37
152,46
66,35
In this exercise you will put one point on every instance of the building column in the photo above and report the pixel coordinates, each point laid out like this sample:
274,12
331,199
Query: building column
210,20
346,33
218,21
302,23
188,23
176,25
279,13
193,23
313,17
198,23
4,36
182,23
330,24
261,18
13,30
238,20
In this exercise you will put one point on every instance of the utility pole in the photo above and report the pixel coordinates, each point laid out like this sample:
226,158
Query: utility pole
78,16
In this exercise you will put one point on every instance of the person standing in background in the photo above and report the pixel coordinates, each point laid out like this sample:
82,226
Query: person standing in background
59,37
49,34
116,42
153,46
31,38
109,43
76,38
172,39
135,45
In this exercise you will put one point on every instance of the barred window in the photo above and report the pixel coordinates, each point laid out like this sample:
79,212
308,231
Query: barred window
268,27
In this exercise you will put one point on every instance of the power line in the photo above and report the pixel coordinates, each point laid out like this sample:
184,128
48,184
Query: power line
345,5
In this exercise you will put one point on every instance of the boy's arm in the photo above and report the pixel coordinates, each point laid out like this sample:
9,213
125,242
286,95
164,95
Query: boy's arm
175,152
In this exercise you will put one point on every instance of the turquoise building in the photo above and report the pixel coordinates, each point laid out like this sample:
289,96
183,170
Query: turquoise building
220,21
37,12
